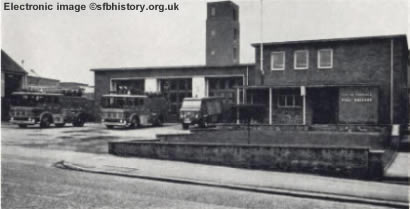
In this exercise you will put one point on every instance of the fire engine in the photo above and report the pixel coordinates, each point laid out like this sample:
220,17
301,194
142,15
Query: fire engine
58,107
133,110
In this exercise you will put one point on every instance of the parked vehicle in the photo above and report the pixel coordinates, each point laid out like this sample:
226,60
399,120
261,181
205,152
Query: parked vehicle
46,108
132,111
202,111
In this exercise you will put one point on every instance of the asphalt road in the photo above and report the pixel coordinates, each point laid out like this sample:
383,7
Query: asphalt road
92,138
33,182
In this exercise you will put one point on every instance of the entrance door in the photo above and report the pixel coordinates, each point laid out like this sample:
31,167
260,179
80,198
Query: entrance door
324,105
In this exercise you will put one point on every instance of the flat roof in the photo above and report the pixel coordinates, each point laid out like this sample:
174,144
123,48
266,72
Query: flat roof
35,93
331,40
309,86
172,67
124,95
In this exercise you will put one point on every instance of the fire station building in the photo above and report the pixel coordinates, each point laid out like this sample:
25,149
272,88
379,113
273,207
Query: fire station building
218,77
335,81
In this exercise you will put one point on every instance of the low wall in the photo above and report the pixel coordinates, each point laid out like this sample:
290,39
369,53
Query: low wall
334,161
272,137
317,127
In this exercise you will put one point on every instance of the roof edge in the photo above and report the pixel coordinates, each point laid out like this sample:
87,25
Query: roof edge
171,67
357,38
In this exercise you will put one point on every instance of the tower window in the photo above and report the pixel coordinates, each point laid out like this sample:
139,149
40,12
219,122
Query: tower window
235,15
235,52
213,52
213,32
235,34
213,11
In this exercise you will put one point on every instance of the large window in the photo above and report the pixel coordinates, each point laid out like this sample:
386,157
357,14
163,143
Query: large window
301,59
289,101
224,87
325,58
175,90
278,61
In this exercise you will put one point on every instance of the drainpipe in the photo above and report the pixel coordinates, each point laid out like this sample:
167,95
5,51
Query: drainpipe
237,103
303,94
270,106
261,45
391,81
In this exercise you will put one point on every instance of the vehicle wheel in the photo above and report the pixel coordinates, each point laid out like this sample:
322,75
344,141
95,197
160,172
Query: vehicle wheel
45,121
78,122
109,126
60,125
185,126
158,122
22,126
203,124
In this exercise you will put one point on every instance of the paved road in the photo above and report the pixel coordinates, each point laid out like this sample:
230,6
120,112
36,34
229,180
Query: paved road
92,137
35,183
32,182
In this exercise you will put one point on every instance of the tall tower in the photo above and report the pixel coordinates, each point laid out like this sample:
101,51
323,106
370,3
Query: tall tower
222,33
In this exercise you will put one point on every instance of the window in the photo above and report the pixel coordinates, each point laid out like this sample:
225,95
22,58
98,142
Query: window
278,61
213,52
235,34
235,14
235,52
289,101
213,32
325,58
301,59
213,11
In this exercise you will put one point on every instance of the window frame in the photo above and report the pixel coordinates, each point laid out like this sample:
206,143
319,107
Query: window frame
272,61
295,60
285,96
319,66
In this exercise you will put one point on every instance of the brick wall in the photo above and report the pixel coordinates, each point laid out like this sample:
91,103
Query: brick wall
362,61
102,78
344,162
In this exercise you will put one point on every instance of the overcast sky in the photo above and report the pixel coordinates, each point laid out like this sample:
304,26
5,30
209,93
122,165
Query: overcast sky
66,45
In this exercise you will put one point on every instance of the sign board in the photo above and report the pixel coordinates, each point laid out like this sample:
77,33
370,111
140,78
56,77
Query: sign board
358,104
302,91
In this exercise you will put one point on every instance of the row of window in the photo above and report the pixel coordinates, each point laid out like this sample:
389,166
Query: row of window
290,101
301,59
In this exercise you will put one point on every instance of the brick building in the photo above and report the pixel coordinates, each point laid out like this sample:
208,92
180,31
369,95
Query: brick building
36,81
335,81
13,77
218,77
175,82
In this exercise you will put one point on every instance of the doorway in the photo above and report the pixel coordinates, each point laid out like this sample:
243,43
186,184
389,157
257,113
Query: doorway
324,105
